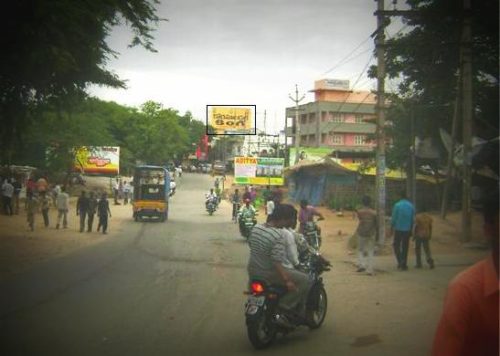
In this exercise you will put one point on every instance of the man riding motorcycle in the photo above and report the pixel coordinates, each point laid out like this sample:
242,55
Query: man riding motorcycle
211,197
267,255
247,211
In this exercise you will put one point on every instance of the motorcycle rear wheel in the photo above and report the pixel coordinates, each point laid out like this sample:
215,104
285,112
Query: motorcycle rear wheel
317,306
261,331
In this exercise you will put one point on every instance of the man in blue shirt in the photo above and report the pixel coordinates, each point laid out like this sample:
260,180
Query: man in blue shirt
403,214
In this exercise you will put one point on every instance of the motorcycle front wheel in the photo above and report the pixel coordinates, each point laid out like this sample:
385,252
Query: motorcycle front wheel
316,307
261,331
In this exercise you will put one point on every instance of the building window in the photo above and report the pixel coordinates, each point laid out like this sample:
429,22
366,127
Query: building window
337,139
358,119
312,139
323,138
337,117
359,140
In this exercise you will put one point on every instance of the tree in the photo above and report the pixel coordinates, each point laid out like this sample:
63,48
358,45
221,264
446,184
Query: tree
426,61
52,51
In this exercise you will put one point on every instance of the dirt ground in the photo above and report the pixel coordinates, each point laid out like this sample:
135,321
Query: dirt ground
22,249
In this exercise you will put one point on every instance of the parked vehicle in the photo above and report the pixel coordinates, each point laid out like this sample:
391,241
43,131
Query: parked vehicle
264,317
151,192
219,168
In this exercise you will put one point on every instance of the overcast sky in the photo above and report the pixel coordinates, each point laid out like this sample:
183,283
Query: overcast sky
245,52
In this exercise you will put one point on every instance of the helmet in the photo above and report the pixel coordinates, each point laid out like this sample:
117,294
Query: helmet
247,200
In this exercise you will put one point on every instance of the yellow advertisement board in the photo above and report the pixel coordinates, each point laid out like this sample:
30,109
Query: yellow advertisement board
97,160
231,119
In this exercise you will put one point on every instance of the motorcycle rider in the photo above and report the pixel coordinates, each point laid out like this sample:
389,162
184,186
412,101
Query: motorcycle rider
246,211
307,214
267,255
211,197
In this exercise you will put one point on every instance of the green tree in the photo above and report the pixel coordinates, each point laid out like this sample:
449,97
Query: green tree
425,59
51,52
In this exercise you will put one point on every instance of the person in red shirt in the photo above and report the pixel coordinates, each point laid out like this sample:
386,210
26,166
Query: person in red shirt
469,322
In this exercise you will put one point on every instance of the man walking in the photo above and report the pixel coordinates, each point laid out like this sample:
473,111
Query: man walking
92,210
44,205
82,208
7,193
62,208
17,191
103,212
422,236
403,214
365,232
31,209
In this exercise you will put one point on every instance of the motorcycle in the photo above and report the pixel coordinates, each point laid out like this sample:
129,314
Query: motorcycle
312,235
246,225
211,206
264,317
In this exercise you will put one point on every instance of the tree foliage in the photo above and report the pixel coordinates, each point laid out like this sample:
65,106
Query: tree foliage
425,59
52,50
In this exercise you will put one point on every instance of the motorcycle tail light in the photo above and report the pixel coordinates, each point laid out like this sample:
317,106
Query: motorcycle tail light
257,288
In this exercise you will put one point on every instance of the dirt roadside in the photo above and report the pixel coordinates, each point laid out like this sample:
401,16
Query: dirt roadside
21,249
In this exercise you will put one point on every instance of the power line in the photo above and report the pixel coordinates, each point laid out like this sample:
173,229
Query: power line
341,62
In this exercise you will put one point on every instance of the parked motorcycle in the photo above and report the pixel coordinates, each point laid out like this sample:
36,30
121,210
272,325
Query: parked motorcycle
264,317
312,234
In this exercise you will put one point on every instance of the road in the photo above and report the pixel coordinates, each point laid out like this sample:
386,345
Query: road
176,288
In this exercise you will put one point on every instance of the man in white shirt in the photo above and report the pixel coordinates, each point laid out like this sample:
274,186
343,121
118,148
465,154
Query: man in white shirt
62,202
7,193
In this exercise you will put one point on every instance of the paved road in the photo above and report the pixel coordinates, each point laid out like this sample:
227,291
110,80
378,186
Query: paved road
175,288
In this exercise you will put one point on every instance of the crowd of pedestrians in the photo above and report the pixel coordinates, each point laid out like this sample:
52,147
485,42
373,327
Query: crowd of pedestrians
41,197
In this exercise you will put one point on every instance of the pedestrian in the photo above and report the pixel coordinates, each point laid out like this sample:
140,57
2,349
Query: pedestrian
62,208
120,189
82,209
30,185
103,212
44,206
55,192
253,194
7,193
116,189
403,214
126,192
469,321
269,206
366,232
91,212
31,209
422,236
41,185
246,194
17,191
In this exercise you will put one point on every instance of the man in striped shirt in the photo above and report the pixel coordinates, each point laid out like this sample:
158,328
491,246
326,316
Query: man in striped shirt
267,255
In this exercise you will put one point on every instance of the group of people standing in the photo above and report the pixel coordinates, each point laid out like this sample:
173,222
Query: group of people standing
122,190
88,206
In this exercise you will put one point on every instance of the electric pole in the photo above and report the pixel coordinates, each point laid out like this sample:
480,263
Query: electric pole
380,178
467,112
297,124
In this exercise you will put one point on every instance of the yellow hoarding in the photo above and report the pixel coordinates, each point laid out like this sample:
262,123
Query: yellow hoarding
97,160
232,119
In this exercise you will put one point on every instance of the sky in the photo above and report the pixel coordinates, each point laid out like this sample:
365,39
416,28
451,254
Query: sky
239,52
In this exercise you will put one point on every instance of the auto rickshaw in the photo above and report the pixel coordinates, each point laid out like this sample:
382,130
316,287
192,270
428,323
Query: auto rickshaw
151,192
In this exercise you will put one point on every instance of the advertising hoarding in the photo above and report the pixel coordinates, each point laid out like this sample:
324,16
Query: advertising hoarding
259,170
309,154
97,160
231,120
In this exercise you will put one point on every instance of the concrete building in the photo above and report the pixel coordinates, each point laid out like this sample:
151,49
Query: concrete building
339,119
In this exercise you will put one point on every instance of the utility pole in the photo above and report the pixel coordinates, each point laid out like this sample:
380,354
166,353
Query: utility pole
467,112
380,178
297,123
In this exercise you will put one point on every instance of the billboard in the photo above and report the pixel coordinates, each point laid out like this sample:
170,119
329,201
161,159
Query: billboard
231,120
309,153
97,160
259,170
